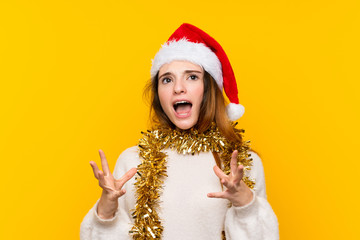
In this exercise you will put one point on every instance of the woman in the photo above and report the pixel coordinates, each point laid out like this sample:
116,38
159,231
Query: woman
178,193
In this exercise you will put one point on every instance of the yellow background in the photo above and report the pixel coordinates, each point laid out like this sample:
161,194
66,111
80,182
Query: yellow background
72,75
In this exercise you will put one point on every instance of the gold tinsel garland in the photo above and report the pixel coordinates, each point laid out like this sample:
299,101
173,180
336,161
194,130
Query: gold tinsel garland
152,170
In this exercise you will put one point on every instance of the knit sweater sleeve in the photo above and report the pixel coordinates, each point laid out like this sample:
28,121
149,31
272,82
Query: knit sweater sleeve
93,227
256,220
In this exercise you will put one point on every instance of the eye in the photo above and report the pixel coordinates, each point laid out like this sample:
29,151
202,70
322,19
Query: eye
165,80
193,77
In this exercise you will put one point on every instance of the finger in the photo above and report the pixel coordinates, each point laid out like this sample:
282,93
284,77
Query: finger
102,182
122,192
233,162
104,163
216,195
227,184
95,169
219,173
127,176
109,189
239,174
101,178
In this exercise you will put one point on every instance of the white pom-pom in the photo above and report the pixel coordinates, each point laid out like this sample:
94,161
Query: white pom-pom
234,111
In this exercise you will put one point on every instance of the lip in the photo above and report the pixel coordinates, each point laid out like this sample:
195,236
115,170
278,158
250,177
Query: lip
186,115
179,100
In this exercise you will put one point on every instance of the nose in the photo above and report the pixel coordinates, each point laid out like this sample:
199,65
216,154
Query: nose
179,87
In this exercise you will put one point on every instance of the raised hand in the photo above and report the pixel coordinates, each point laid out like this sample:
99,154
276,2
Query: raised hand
112,188
236,190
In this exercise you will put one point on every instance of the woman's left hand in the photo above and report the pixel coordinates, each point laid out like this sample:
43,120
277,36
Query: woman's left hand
236,190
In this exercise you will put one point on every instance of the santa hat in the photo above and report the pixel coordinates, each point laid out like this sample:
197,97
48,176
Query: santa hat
191,44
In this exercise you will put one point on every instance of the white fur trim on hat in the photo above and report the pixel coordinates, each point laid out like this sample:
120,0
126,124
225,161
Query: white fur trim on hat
196,53
234,111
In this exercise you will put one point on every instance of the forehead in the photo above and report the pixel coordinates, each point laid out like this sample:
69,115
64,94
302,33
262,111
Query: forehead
179,66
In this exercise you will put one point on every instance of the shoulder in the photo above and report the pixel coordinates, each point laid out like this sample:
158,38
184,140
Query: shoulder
256,160
129,152
257,166
257,173
128,159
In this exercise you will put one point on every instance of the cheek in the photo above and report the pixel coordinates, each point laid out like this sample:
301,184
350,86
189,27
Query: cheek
163,97
200,92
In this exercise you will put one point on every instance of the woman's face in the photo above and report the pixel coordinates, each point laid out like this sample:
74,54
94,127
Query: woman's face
181,90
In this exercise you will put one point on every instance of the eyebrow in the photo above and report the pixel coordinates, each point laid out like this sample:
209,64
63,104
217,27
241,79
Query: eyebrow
186,71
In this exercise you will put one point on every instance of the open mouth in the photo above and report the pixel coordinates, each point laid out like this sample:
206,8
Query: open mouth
182,107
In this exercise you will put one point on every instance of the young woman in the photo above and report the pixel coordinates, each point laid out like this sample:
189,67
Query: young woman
196,177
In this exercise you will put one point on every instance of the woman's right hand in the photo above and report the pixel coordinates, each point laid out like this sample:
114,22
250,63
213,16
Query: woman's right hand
112,188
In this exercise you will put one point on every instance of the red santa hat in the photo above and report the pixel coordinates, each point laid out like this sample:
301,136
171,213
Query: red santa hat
191,44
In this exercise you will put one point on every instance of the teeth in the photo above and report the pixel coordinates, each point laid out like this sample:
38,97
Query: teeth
176,104
181,102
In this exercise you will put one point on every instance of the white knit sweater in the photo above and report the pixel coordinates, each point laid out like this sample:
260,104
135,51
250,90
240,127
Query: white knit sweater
186,211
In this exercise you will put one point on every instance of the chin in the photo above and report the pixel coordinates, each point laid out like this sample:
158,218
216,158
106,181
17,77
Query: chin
185,125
